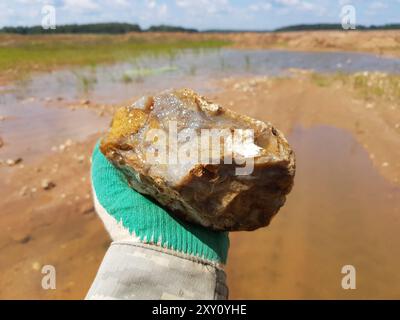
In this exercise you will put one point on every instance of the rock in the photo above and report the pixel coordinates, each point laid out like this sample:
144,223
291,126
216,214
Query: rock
68,143
86,208
85,102
2,118
23,191
241,187
36,266
47,184
54,168
80,158
62,147
21,238
13,162
1,142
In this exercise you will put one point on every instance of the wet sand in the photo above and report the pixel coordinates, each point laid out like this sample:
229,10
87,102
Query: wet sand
340,212
344,208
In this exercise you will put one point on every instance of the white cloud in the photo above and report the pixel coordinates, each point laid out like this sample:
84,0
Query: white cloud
198,7
80,5
162,9
308,6
288,2
151,4
261,6
122,2
376,5
302,5
150,12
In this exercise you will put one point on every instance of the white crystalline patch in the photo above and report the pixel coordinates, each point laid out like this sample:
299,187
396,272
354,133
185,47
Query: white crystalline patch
243,144
177,172
211,107
141,103
247,150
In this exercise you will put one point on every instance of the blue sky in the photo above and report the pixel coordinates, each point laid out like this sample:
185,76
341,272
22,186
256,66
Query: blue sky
201,14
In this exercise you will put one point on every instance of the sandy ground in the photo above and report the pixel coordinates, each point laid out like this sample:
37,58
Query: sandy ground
344,208
298,256
378,42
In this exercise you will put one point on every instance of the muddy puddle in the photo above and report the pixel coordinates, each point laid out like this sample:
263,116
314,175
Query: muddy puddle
340,212
33,130
198,68
34,122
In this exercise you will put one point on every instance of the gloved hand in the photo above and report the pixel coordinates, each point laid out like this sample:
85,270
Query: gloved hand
129,216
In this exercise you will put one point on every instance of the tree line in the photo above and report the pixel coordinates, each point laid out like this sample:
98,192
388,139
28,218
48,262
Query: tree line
334,26
111,28
119,28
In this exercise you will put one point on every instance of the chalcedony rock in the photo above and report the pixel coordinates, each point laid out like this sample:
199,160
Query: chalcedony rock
204,163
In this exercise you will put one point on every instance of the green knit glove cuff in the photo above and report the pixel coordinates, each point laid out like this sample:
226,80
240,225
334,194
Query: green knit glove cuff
146,220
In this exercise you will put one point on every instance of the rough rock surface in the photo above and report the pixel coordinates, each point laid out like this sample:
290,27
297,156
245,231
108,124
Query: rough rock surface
210,194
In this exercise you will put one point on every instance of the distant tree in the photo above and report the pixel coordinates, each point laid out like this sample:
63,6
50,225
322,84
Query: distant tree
119,28
167,28
333,26
113,28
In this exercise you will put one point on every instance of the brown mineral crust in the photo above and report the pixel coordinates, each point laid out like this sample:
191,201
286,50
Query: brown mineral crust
208,194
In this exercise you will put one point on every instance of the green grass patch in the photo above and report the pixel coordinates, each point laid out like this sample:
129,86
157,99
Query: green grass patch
368,85
322,80
27,54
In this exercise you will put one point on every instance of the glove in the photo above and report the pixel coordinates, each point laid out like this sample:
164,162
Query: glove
132,217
